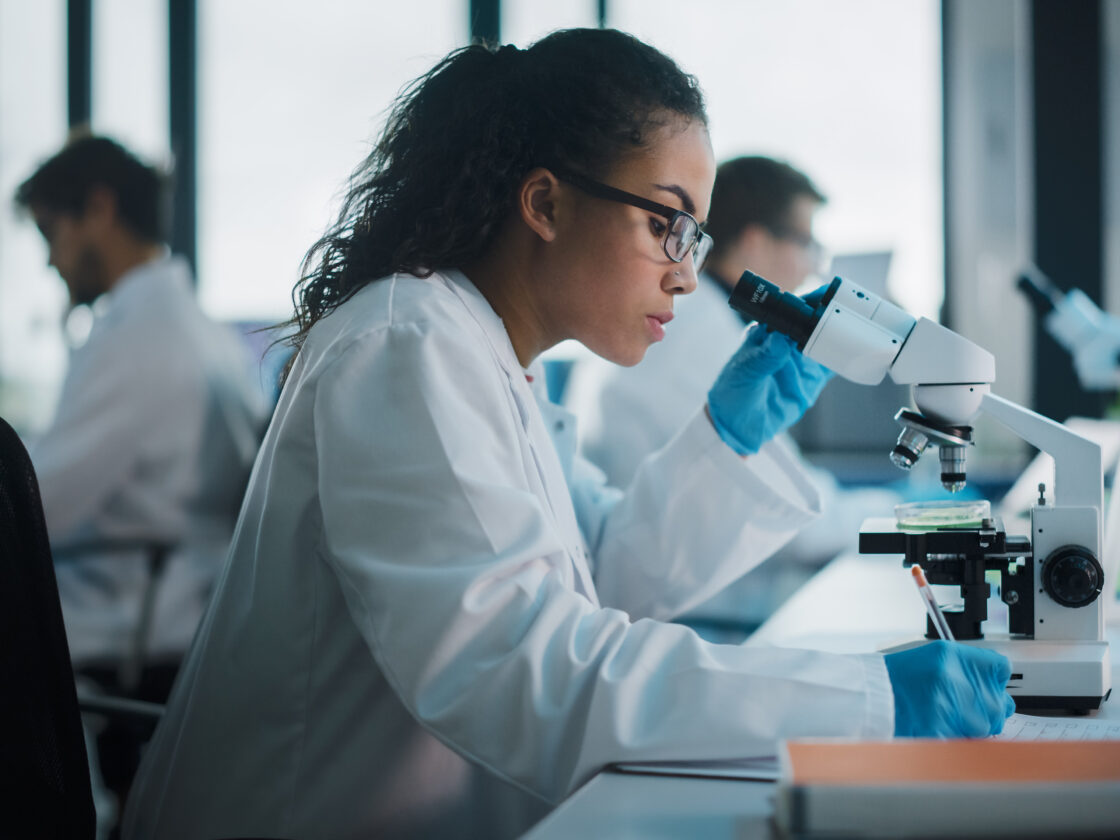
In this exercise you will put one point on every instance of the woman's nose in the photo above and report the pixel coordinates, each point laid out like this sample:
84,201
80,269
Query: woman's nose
682,279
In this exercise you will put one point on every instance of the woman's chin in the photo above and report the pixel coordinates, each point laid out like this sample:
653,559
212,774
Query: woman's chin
626,358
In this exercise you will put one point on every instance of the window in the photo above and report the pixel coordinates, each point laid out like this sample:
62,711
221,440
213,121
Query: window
290,96
850,93
526,21
130,76
32,126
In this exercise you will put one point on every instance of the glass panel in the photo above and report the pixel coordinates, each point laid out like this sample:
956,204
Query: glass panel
525,21
32,127
130,76
290,96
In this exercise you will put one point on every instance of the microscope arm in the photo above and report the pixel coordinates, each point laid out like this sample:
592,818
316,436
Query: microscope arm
1077,461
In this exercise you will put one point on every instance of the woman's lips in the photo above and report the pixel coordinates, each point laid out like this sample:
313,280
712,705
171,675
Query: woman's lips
657,323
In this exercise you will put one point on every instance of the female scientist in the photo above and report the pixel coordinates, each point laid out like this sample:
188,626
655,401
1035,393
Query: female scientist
435,620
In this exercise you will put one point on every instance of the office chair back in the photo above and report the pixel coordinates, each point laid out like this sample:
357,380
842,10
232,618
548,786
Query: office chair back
44,780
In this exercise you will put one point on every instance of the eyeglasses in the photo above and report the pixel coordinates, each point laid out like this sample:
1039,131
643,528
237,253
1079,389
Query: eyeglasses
683,233
813,249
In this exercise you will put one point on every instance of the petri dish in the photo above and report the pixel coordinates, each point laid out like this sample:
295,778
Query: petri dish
922,516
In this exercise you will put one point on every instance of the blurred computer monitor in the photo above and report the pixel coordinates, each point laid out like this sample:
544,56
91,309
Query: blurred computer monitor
869,269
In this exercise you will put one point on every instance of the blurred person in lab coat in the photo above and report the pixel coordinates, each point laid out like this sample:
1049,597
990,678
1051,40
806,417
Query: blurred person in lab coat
143,466
761,218
158,419
437,619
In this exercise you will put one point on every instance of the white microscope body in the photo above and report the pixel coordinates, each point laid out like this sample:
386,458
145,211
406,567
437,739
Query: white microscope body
1091,335
1055,640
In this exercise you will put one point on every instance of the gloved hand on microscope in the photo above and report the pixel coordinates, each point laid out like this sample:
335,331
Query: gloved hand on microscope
764,388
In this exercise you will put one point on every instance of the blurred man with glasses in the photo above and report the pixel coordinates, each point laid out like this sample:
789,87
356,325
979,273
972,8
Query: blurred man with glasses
761,218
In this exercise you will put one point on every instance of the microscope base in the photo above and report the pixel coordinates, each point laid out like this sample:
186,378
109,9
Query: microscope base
1048,676
1045,675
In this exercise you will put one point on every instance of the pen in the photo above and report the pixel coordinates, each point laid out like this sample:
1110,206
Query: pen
935,614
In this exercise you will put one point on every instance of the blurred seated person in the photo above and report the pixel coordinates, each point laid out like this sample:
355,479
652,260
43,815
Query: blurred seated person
158,419
761,219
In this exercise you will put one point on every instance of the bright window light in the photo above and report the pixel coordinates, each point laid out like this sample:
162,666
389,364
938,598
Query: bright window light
849,92
32,127
291,95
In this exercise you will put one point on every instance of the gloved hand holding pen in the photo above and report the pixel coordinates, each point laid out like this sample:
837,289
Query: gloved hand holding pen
949,690
763,390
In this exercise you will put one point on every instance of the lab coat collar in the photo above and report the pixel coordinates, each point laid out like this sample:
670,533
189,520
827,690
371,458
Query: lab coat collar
487,319
556,426
561,424
167,268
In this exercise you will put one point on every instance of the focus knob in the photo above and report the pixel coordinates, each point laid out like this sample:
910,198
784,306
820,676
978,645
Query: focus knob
1072,576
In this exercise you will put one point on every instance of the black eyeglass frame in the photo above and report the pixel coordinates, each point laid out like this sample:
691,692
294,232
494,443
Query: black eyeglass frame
598,189
803,240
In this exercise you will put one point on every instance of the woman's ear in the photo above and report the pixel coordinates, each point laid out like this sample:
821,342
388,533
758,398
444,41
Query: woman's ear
537,202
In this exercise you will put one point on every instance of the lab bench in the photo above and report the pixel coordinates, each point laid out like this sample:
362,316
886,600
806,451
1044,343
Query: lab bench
855,604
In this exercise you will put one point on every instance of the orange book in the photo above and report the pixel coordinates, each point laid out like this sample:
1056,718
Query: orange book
932,788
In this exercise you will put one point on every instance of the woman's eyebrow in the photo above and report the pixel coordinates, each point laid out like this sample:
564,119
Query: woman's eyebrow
682,194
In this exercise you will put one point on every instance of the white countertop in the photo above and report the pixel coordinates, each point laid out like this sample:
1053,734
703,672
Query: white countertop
855,604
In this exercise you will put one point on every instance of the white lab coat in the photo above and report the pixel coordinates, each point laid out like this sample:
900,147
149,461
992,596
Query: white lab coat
431,612
627,413
157,425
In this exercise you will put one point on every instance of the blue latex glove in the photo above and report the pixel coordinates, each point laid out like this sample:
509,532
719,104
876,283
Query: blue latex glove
763,390
949,690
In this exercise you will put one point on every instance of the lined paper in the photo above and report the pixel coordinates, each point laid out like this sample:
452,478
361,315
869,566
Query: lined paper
1031,728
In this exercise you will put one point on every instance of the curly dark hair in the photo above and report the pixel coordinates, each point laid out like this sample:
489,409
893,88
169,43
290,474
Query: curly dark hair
459,140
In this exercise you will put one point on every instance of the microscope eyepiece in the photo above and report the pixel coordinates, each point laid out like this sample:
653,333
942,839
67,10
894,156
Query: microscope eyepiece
1040,291
758,298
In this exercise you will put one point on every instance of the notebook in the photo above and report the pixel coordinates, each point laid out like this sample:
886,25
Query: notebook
765,767
926,788
758,769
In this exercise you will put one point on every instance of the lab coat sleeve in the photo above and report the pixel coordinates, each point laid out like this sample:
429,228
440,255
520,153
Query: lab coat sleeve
460,586
836,530
695,518
624,414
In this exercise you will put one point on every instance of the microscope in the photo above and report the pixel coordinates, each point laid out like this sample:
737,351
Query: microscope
1052,579
1091,335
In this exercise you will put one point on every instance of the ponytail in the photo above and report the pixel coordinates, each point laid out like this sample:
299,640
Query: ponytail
458,141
